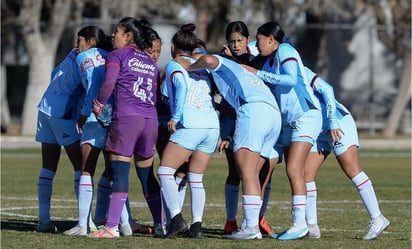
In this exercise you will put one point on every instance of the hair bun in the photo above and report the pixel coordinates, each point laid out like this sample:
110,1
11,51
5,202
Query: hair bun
188,27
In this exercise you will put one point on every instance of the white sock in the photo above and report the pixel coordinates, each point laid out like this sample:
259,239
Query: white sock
231,201
367,194
169,189
197,196
124,217
85,198
299,209
182,192
251,208
311,207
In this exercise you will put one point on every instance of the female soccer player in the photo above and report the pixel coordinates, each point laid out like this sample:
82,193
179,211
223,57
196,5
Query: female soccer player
285,73
258,125
339,134
238,38
131,76
195,130
58,112
93,46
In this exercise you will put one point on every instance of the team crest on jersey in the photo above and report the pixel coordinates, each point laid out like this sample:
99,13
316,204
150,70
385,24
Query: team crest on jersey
87,63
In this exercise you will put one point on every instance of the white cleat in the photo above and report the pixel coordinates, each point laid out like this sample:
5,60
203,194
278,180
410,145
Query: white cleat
376,227
246,233
314,231
77,231
125,230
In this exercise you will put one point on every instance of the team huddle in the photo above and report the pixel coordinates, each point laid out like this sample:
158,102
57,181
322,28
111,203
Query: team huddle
259,100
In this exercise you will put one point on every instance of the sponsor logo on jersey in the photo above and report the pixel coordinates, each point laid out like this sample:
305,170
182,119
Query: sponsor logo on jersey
87,63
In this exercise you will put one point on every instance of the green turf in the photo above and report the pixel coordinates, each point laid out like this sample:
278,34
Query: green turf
342,216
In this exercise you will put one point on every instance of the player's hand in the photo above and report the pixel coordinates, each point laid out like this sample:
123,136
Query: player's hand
171,126
336,134
97,107
79,124
223,145
226,50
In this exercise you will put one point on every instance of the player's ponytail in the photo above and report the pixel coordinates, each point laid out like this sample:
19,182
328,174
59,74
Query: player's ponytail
185,39
102,40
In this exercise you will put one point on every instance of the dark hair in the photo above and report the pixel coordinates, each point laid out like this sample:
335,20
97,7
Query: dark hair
139,30
185,39
150,35
272,28
237,26
102,40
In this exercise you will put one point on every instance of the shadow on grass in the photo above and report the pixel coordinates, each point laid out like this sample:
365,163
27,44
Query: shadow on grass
30,225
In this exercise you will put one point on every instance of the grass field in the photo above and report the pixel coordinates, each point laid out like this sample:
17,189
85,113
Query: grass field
342,216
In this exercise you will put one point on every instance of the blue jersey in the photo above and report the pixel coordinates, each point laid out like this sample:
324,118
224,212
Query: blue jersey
238,86
92,65
190,97
332,110
65,92
285,74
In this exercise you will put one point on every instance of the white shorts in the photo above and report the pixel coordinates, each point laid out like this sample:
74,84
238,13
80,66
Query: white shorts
204,140
257,129
56,130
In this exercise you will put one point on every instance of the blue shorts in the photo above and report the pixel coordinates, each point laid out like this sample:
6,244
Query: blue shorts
94,134
257,128
305,129
132,135
204,140
350,138
56,130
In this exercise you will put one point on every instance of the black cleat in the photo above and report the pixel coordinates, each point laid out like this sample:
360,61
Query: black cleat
177,225
195,230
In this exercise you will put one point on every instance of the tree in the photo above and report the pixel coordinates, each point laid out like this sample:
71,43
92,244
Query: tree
41,36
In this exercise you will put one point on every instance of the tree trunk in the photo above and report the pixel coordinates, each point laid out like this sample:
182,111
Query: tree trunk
42,48
402,99
41,64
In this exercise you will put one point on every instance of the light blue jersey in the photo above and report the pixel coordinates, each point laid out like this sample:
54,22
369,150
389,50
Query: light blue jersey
239,86
285,73
332,110
334,116
190,97
64,93
92,65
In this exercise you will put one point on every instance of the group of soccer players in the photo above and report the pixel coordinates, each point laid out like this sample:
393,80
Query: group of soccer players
109,97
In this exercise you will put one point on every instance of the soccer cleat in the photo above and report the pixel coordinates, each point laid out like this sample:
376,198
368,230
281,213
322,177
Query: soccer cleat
77,231
195,230
177,225
264,226
314,231
106,232
230,227
125,230
376,227
46,227
246,233
140,228
159,230
294,232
